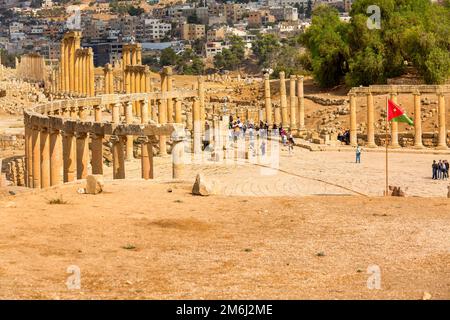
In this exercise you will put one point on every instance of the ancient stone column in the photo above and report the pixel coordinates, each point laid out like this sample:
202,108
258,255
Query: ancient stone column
129,120
108,70
116,113
277,115
394,126
118,157
77,75
353,132
197,134
55,157
267,99
82,155
97,154
293,99
82,113
143,89
127,77
84,73
146,158
91,73
36,157
162,120
98,113
170,100
417,122
138,54
442,143
178,111
301,103
80,60
154,110
71,45
62,65
177,157
201,97
283,100
370,122
144,111
45,158
69,156
29,149
66,65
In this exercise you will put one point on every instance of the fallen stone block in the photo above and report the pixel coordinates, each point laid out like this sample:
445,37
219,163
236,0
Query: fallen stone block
201,186
94,184
397,191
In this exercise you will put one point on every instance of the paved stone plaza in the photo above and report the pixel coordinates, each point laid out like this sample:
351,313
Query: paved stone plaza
313,173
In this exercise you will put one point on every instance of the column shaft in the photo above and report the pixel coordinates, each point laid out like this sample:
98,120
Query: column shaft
370,122
417,122
301,103
147,159
69,157
55,157
442,144
45,159
118,159
97,154
36,157
293,99
283,101
82,155
353,132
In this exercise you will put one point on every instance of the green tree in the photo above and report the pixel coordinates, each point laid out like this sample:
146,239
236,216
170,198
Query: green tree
168,57
266,48
437,66
327,41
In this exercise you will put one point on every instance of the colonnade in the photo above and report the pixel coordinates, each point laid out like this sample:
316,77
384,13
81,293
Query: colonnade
393,92
131,55
31,67
290,115
84,73
62,144
109,78
69,46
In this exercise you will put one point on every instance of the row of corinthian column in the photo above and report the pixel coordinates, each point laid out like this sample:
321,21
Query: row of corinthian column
292,117
394,143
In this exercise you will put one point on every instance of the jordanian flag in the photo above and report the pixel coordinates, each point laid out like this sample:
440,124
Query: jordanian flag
395,113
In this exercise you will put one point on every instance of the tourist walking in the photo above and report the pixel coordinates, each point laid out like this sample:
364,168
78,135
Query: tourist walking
446,165
291,143
358,154
434,167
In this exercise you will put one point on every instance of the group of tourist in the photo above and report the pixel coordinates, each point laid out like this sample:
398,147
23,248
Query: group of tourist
241,129
440,170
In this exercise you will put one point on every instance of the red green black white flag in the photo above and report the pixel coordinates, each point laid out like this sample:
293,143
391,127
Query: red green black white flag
395,113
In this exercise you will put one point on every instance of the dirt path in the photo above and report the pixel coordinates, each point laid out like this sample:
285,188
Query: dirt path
137,240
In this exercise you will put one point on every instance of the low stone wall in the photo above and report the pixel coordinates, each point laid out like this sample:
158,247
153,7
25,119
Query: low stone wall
326,101
429,139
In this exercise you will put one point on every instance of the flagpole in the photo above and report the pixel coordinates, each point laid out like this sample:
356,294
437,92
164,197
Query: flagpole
386,192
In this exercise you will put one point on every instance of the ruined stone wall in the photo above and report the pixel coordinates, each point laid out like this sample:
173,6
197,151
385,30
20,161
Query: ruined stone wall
15,171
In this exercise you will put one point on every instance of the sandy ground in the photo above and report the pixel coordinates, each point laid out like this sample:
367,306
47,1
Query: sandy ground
137,240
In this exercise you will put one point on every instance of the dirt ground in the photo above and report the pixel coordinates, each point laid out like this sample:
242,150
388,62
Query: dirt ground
139,241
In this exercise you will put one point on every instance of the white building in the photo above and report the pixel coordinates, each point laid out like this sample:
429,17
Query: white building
213,48
154,29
